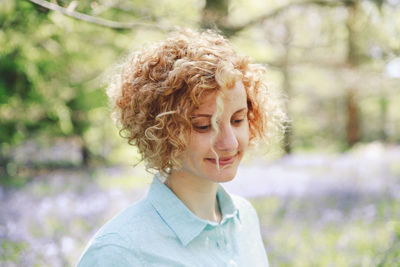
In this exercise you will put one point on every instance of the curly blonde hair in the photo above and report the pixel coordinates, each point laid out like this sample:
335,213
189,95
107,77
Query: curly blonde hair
159,87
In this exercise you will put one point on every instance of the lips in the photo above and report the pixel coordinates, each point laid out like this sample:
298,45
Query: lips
223,160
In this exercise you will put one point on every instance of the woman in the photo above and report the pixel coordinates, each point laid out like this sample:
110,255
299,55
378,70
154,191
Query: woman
192,106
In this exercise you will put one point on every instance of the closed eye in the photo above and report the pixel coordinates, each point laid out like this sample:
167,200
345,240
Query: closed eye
202,128
237,121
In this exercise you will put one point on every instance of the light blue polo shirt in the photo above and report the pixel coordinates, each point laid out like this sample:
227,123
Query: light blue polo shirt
160,230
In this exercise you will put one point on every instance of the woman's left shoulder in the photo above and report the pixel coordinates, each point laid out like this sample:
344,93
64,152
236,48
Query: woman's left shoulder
243,205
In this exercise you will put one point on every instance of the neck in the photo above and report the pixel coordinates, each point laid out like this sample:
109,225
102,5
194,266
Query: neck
199,195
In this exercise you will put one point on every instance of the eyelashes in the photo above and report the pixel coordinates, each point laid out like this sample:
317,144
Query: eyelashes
239,121
202,128
207,127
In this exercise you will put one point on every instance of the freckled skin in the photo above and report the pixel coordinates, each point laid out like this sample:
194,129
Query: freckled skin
199,161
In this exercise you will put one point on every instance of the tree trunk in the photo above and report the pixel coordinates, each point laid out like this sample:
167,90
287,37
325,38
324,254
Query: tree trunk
287,139
383,104
214,14
352,110
352,127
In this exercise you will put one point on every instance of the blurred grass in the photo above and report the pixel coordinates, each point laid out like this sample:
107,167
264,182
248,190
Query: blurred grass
125,182
300,232
12,250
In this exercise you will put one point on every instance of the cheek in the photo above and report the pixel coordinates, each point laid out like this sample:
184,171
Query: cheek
199,142
244,134
198,148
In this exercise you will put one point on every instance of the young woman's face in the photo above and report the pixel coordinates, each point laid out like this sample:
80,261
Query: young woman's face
231,142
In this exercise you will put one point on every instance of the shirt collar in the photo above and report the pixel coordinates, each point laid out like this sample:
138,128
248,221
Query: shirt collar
179,218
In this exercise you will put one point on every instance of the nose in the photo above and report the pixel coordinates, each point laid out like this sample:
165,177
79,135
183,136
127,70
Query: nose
226,139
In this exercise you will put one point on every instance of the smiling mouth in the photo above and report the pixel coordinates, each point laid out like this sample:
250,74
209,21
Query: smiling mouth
223,161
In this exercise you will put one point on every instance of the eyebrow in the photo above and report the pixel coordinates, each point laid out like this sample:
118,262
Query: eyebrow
210,115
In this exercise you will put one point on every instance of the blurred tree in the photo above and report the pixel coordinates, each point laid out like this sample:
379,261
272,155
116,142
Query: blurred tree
358,54
287,86
44,81
352,61
214,14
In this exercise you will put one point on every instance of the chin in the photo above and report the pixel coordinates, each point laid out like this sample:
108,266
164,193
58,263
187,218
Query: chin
224,176
226,179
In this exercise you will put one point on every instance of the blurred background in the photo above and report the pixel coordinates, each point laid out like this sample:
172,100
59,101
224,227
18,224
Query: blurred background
327,192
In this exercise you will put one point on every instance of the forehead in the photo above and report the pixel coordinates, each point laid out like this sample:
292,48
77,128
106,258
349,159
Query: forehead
233,98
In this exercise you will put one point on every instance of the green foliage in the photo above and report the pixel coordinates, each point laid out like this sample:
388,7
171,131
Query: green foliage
24,67
12,251
45,66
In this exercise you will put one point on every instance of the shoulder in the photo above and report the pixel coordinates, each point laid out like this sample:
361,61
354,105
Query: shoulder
129,221
241,203
117,243
246,209
109,250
